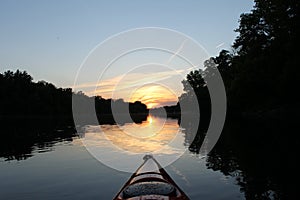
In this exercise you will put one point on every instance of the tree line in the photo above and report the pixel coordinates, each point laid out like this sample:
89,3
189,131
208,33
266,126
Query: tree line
37,113
260,71
259,142
22,98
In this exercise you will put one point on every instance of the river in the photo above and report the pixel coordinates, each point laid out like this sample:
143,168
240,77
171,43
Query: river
68,167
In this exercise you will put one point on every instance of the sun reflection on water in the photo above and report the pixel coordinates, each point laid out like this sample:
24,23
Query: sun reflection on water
153,135
149,119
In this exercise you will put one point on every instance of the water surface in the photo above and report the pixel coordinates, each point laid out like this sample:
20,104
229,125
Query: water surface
63,168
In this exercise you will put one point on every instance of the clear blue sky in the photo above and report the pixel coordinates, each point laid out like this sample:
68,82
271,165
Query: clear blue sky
50,39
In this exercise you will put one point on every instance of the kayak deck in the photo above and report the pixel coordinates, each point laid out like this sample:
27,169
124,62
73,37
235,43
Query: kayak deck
150,181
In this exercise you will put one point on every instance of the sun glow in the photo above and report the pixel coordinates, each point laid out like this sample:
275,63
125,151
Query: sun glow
155,89
154,95
149,119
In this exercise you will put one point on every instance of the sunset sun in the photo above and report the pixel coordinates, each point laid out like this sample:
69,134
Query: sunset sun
154,95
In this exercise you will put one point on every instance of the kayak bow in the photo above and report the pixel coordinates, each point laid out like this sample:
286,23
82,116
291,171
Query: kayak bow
150,181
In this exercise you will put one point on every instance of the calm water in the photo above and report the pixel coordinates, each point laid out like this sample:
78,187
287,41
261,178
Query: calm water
65,169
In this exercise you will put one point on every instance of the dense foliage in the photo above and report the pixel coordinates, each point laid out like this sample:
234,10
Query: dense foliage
25,100
259,143
260,73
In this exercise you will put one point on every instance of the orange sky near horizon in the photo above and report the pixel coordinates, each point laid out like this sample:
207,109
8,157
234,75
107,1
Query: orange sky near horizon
152,89
154,96
152,76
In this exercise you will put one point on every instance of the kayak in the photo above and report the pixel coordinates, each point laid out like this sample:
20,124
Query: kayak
150,181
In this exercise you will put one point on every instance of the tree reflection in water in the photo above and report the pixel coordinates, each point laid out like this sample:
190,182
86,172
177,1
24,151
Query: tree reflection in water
21,138
258,155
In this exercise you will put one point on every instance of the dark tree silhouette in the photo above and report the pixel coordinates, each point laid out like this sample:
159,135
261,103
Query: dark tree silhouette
37,112
259,143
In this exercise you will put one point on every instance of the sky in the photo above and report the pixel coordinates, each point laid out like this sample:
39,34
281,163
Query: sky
51,39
